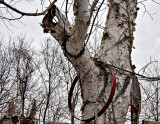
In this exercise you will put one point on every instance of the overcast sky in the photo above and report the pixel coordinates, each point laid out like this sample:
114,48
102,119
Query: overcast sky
147,35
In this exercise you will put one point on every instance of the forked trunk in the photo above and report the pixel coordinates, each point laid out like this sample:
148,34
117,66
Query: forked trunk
116,46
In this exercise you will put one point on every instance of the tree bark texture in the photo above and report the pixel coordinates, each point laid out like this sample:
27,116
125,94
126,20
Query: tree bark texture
135,101
116,47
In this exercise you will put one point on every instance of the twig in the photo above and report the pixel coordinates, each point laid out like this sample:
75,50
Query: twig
66,11
145,11
146,66
142,76
94,22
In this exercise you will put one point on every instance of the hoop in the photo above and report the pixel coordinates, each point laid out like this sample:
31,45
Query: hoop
107,103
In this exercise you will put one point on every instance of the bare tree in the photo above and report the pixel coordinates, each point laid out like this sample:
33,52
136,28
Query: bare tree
57,73
6,61
52,81
17,67
150,89
24,69
50,60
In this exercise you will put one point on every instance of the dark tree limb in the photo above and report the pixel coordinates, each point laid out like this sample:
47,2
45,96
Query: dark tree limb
27,14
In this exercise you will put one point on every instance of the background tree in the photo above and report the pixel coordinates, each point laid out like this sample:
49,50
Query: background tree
55,73
24,69
17,81
20,97
150,89
6,62
52,71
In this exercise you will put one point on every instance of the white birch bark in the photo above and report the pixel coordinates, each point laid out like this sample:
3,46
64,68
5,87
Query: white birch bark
115,49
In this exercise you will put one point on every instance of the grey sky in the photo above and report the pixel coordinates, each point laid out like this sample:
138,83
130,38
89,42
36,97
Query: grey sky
147,35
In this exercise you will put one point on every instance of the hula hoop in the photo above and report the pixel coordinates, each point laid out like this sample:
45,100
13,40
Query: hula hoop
105,106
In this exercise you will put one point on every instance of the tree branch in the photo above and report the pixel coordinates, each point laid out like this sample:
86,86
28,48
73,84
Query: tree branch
82,13
139,75
27,14
93,5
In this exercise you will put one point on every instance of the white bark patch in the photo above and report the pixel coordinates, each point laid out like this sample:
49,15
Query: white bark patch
81,10
82,14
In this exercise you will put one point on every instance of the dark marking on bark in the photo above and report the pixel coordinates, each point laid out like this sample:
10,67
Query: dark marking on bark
106,74
69,54
125,85
116,7
103,72
85,103
118,43
105,35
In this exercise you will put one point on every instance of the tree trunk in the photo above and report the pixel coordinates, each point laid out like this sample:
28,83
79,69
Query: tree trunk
135,101
116,47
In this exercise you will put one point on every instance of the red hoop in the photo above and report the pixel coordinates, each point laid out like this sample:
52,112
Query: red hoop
106,105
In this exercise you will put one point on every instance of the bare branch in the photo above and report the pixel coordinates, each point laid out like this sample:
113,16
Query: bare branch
10,18
94,18
28,14
143,69
145,11
139,75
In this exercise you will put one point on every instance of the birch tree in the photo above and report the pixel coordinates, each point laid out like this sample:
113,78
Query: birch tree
150,89
116,46
115,49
